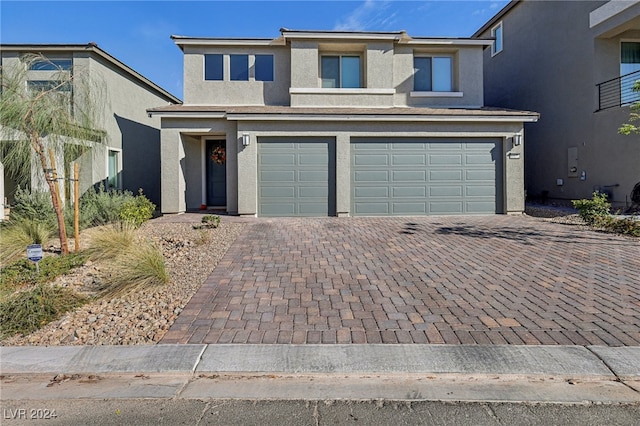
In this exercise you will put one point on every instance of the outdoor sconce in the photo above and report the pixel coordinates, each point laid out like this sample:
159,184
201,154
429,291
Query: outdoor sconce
245,139
517,139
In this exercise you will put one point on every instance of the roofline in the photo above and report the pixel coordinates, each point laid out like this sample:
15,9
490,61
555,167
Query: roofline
92,47
225,41
498,16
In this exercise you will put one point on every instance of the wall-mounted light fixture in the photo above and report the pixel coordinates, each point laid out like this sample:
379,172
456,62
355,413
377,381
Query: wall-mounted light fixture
517,139
245,139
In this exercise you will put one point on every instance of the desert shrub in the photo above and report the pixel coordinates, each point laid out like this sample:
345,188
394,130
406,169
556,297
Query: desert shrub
27,311
208,221
595,210
35,206
137,210
109,241
19,232
99,207
624,225
139,268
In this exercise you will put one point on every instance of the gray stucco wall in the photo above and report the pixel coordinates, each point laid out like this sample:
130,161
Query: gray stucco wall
551,64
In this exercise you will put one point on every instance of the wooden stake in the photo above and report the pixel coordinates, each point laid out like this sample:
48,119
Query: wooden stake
76,204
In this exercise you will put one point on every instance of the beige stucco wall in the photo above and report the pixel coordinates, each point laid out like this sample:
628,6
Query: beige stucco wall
198,91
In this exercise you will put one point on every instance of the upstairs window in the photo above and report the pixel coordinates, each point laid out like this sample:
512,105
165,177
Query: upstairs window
433,74
239,67
341,71
263,67
49,85
496,33
213,67
51,65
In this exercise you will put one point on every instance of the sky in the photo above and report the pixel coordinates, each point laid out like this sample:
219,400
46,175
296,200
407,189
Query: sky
138,32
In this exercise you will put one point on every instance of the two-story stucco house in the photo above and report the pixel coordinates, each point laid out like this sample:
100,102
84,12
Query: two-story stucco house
128,157
332,123
575,62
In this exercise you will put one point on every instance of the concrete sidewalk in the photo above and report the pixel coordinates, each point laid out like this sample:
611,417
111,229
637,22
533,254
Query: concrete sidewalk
507,373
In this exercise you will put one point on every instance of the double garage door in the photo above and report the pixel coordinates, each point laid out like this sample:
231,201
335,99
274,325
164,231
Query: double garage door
401,176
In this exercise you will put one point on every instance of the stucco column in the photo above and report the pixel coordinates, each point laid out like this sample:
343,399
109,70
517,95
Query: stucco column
514,175
343,174
173,184
247,174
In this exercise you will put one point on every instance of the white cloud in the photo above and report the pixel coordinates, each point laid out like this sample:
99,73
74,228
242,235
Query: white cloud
371,15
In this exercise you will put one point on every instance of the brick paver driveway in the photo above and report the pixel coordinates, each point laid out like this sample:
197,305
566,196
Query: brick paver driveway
454,280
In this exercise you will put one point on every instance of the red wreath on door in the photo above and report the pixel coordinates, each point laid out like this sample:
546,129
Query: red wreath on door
219,155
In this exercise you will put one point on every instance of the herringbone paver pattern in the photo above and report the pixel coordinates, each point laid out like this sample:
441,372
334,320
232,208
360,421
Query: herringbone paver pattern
470,280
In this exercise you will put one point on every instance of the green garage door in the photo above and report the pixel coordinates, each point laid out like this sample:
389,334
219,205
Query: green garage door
296,176
425,176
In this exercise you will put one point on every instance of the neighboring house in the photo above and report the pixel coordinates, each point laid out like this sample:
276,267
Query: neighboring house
331,123
575,63
129,156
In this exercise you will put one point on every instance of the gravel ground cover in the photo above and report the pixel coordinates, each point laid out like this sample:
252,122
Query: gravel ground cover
144,316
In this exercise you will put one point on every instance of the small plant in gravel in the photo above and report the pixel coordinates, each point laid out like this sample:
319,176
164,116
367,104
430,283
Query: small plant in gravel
26,311
107,242
595,210
209,221
139,267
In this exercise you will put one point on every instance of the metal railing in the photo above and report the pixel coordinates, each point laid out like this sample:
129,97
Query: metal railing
618,91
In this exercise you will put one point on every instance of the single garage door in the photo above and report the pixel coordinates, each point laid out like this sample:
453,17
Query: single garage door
408,176
296,176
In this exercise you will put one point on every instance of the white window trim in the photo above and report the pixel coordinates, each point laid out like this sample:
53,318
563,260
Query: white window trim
340,55
416,94
493,34
119,151
453,76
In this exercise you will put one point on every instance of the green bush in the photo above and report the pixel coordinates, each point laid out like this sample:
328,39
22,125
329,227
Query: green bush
99,207
625,226
27,311
137,210
211,221
595,210
35,206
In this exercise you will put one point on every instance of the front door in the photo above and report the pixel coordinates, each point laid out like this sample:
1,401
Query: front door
216,173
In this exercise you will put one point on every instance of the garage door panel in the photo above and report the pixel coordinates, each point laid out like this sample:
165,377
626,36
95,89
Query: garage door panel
425,176
371,176
445,160
408,160
372,160
409,208
445,191
296,176
409,176
277,176
409,192
371,191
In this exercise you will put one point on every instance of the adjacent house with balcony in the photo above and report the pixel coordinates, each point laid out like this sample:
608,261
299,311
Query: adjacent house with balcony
334,123
128,154
575,62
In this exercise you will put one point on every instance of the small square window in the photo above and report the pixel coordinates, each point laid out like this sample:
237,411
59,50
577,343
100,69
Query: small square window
213,67
433,74
239,67
264,68
341,71
496,32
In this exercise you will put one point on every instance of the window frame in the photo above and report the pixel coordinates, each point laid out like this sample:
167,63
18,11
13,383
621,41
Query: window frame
204,64
361,79
255,67
118,176
242,75
51,64
432,56
498,39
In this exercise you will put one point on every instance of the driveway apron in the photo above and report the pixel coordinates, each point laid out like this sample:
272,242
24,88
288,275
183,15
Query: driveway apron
448,280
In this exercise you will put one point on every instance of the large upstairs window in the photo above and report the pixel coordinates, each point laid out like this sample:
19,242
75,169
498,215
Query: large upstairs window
341,71
263,67
433,73
239,67
629,63
213,67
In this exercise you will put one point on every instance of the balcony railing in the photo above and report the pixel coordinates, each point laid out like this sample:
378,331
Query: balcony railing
618,91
